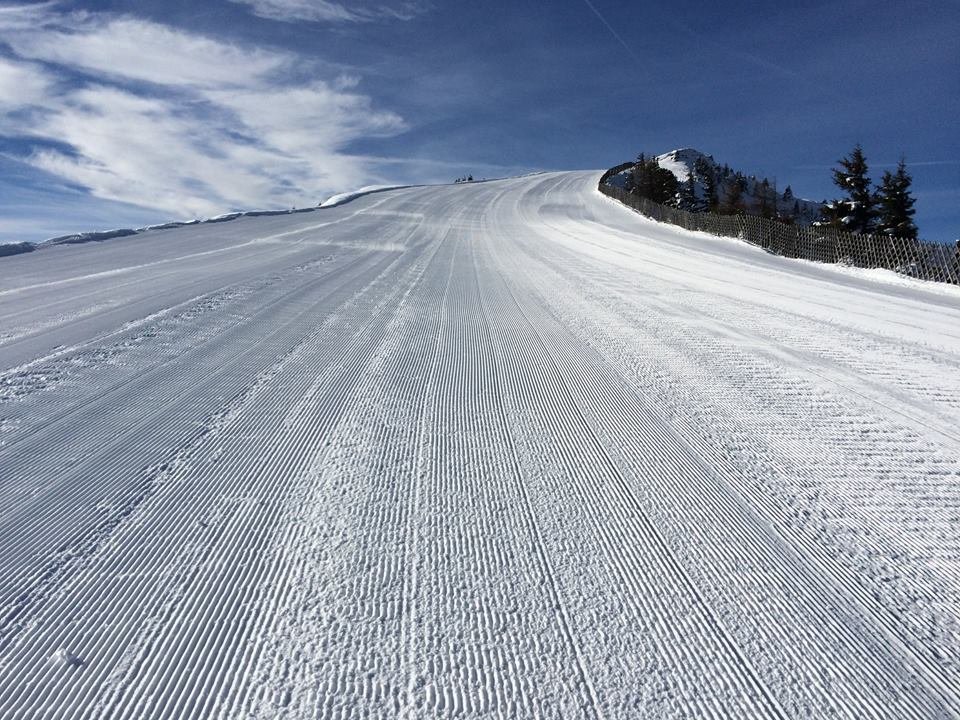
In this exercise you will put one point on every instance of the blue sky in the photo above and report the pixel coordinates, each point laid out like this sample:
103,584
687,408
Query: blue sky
117,113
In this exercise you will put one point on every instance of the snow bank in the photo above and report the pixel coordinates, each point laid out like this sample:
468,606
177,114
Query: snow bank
97,236
346,197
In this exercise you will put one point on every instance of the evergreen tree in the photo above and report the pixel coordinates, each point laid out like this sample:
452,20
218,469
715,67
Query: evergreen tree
710,196
856,212
895,204
766,200
637,182
833,214
711,199
733,203
788,194
701,168
649,180
687,195
665,184
706,173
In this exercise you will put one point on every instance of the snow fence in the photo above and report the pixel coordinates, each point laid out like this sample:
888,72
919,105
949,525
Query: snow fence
925,260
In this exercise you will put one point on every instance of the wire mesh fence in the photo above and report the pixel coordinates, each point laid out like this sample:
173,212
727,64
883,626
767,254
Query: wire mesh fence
924,260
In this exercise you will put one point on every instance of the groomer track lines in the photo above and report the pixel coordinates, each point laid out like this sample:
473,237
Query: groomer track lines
494,450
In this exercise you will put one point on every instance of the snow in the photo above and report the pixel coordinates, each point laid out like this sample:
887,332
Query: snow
65,658
346,197
14,248
681,162
503,449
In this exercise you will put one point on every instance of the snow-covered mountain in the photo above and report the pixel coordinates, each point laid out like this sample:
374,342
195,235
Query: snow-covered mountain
683,161
759,195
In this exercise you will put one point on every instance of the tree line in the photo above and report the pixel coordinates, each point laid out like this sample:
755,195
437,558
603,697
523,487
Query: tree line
887,209
711,188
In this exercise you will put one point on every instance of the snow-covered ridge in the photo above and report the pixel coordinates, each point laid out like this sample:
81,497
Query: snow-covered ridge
7,249
18,248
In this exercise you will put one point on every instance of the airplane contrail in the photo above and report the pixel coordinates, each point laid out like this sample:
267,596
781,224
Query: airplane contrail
613,31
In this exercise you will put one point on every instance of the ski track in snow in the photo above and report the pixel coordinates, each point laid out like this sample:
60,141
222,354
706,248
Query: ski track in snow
493,450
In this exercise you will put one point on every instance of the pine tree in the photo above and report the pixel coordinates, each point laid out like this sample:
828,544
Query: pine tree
665,184
701,168
687,195
833,214
706,173
637,181
856,212
710,196
711,199
649,180
733,204
788,194
766,205
895,204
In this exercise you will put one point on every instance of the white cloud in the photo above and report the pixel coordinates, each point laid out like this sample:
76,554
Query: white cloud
172,120
21,84
325,11
287,118
139,50
23,17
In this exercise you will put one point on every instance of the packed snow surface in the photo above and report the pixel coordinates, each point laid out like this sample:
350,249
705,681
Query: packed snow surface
493,450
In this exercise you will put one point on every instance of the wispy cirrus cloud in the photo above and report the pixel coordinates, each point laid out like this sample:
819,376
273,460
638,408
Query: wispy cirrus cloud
21,84
147,114
326,11
126,47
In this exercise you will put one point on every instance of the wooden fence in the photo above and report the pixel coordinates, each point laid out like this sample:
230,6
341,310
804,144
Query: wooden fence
924,260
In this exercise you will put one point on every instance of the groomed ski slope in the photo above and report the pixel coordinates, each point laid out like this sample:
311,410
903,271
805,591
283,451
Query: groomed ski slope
493,450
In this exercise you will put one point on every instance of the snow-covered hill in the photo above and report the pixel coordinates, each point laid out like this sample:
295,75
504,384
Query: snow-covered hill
503,449
759,195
